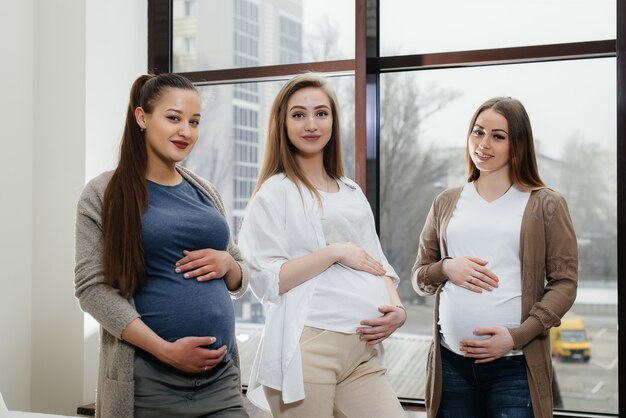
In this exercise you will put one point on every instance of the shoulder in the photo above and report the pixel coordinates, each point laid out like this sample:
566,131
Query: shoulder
548,198
546,193
448,196
547,202
99,183
95,188
278,183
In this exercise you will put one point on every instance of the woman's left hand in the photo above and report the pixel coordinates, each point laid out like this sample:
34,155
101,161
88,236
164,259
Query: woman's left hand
498,344
205,264
380,328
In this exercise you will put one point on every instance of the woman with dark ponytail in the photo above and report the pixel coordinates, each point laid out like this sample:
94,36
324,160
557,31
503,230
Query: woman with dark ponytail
156,266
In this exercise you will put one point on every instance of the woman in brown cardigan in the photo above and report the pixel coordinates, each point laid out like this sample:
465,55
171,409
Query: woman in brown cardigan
500,256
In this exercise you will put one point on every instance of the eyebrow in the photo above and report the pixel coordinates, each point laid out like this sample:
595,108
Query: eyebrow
493,130
179,111
304,108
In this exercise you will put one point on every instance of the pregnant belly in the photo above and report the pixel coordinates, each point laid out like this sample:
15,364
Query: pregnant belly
177,309
462,311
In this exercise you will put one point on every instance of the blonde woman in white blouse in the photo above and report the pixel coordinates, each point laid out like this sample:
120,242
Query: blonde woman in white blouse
317,266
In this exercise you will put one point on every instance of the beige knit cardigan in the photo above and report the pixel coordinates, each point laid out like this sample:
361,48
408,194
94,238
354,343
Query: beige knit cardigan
115,392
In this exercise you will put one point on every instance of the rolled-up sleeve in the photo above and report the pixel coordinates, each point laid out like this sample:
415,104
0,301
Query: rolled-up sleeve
263,243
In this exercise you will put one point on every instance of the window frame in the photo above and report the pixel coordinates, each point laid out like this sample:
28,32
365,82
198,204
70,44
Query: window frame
368,65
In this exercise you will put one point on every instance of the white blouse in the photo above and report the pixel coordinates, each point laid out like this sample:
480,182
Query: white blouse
283,222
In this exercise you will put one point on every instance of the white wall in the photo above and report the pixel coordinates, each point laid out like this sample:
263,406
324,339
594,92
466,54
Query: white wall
16,162
65,89
114,59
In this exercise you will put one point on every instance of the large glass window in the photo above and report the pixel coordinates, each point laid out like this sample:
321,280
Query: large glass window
405,128
424,124
419,27
249,33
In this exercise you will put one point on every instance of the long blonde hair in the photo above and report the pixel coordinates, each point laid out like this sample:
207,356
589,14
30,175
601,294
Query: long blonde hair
279,155
523,168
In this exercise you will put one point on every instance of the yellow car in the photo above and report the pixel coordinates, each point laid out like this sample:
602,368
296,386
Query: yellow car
569,340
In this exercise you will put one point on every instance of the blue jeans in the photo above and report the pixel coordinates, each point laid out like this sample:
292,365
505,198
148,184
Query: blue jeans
498,389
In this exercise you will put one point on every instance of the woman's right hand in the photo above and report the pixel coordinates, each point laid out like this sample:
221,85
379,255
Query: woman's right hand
353,256
190,354
470,273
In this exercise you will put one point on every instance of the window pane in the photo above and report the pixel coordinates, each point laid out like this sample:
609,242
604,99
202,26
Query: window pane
249,33
229,153
572,107
418,27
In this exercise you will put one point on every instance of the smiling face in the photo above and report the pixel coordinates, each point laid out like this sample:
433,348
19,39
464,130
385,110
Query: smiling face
309,121
489,144
172,128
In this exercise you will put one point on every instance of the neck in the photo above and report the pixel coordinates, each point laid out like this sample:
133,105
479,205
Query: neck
313,168
163,174
314,171
491,186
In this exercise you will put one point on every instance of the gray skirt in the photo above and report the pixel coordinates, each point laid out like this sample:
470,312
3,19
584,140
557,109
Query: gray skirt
161,391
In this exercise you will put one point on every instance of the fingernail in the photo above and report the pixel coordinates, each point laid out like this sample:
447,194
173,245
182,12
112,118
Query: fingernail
177,270
177,264
186,275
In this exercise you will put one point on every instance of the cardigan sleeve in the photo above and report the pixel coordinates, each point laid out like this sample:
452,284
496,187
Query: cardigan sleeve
101,301
263,241
561,267
427,273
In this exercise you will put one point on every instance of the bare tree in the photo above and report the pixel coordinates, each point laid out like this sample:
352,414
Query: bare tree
591,196
411,172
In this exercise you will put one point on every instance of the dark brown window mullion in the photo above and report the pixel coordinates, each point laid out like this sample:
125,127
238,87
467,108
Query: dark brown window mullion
160,36
367,102
525,54
621,202
268,72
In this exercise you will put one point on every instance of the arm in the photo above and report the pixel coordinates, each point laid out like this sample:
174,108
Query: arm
101,301
394,316
561,260
207,264
297,271
187,354
427,274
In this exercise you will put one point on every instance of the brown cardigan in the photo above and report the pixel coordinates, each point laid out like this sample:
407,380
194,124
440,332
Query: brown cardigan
549,271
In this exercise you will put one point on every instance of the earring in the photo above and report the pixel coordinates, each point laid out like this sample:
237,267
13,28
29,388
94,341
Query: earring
141,130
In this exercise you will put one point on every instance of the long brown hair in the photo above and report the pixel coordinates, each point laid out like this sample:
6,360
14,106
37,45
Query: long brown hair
523,167
126,195
279,155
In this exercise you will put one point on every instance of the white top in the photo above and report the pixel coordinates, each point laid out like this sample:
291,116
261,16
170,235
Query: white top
490,231
282,223
335,305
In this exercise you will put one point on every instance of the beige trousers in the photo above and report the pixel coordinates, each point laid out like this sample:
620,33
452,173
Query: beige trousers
342,379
